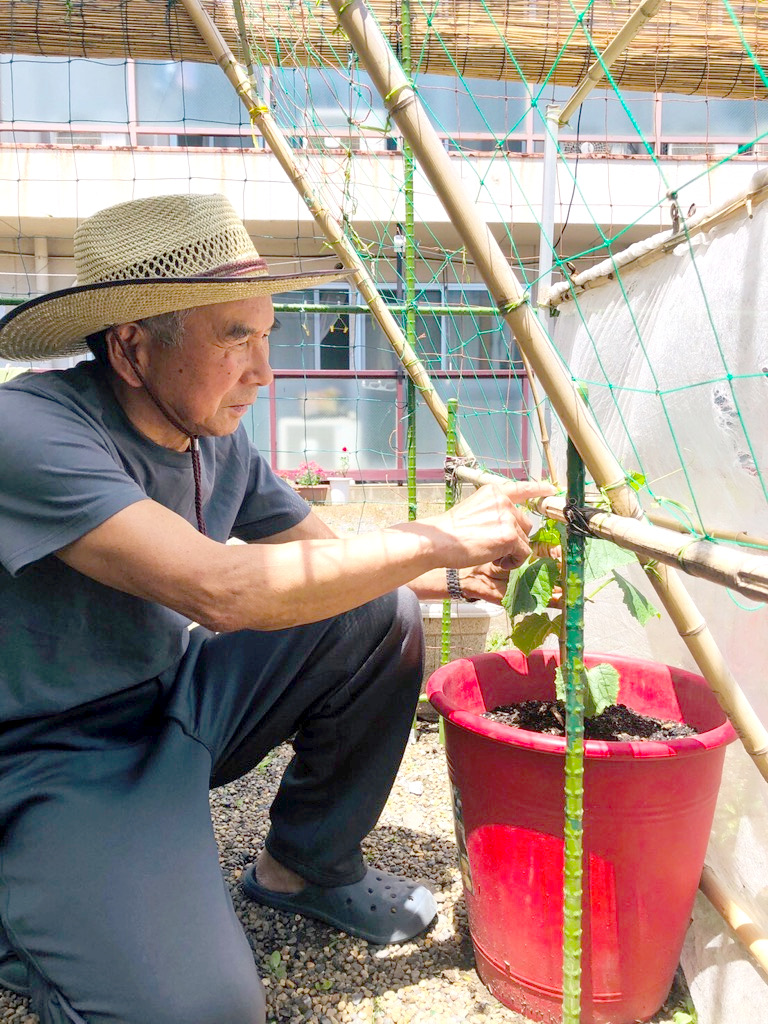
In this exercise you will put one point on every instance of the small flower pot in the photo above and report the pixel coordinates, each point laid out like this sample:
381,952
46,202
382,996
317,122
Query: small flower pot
316,494
471,625
340,487
647,818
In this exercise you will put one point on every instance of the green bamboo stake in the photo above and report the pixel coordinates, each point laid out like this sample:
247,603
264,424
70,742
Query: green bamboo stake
573,673
452,406
410,269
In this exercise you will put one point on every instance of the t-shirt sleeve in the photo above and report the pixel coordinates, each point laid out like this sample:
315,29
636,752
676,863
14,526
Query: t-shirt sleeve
270,505
59,478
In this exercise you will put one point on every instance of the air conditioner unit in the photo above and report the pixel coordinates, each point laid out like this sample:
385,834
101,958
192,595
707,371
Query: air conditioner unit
686,149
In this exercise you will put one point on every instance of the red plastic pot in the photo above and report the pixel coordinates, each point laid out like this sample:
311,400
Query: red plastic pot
648,814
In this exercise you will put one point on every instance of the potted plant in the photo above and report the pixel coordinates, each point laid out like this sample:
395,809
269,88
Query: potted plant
341,485
647,817
311,482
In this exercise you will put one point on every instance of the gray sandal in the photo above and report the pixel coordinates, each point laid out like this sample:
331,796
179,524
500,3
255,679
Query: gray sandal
380,908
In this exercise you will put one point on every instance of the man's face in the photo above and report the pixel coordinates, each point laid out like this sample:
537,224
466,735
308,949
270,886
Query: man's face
212,379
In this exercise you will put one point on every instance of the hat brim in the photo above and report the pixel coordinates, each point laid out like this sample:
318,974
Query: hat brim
57,324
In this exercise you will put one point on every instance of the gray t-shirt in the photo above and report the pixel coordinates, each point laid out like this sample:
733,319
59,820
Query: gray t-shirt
70,459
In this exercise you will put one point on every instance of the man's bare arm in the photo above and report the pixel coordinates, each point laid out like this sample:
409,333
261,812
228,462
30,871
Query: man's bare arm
151,552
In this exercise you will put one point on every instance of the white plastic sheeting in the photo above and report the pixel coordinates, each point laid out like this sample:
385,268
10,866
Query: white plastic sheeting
675,359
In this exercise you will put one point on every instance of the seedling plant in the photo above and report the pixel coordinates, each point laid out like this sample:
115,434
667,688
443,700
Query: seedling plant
535,590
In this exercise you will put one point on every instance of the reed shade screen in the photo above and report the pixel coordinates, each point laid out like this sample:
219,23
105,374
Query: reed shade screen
689,47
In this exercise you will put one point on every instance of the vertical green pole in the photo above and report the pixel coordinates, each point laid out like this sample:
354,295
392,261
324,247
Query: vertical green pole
410,272
452,406
573,673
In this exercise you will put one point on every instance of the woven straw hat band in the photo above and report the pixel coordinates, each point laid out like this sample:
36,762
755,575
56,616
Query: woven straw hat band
164,236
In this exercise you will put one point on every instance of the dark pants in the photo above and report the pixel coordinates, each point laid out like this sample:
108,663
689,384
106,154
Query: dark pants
111,894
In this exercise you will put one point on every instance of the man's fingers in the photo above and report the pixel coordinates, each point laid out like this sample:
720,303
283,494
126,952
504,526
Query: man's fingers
523,490
512,561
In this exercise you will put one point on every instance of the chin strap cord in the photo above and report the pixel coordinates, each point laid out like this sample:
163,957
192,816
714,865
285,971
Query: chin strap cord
194,447
194,441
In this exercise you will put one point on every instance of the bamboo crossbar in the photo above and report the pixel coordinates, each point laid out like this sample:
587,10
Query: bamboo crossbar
733,912
331,229
741,571
654,248
745,573
691,46
734,536
406,110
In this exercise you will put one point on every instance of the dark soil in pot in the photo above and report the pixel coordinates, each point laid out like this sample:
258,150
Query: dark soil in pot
617,722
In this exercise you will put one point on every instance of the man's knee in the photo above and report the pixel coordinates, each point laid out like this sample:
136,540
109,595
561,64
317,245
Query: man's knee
218,999
221,1001
401,612
400,627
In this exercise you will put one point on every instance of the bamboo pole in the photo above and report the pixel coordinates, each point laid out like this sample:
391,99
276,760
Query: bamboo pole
654,248
745,573
410,274
407,111
734,536
609,56
331,229
736,916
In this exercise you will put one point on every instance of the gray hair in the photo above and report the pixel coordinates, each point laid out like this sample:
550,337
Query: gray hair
166,329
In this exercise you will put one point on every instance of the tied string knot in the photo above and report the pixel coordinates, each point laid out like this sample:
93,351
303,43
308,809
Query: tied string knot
454,462
577,518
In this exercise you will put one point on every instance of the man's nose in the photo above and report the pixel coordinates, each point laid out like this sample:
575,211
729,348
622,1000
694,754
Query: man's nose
259,370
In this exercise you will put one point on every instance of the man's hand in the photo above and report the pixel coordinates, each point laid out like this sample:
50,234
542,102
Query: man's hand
489,526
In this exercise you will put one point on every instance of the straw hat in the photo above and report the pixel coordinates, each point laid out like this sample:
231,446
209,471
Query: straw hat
143,258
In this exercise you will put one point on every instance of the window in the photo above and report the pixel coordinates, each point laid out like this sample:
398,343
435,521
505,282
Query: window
318,417
314,340
428,342
335,99
187,94
473,105
477,341
56,90
683,116
602,118
496,440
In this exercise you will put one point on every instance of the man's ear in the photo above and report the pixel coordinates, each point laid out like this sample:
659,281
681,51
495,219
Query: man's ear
125,343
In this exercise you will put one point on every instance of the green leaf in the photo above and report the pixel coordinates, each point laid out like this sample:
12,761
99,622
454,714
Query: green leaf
601,557
530,632
683,1017
530,587
640,608
274,959
636,481
547,534
602,689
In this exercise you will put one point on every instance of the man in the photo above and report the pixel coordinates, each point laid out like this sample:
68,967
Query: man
120,482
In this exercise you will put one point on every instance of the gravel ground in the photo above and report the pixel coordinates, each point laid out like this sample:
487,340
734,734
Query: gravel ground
316,975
